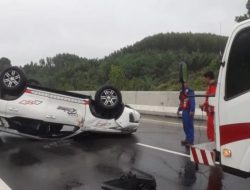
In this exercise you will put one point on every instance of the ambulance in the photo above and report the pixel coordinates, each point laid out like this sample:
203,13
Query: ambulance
231,149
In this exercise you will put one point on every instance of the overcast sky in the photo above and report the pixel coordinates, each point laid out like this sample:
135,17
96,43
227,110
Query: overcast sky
35,29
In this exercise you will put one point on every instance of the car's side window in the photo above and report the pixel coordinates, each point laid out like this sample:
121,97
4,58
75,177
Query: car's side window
238,69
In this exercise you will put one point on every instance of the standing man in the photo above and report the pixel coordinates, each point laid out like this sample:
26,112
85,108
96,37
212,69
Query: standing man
187,106
209,78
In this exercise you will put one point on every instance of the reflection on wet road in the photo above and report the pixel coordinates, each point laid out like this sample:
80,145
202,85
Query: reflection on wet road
88,160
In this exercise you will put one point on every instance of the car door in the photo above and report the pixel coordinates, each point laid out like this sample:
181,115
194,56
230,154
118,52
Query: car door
65,109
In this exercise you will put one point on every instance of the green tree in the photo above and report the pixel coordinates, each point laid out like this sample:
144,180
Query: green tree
4,63
245,16
150,64
117,77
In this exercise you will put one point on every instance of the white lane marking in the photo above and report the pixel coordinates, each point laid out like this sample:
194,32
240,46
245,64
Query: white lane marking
173,123
168,151
4,186
164,150
160,121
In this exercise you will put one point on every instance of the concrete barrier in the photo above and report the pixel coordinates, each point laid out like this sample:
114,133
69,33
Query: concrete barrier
163,103
153,98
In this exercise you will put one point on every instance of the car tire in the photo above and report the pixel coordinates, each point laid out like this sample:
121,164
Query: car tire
12,81
108,97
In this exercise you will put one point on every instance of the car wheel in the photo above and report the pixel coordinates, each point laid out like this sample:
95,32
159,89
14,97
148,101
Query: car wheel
13,80
108,97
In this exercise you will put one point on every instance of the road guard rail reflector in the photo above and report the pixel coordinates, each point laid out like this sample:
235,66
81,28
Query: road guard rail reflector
203,153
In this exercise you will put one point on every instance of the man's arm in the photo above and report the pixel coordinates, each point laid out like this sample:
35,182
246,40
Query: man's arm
192,102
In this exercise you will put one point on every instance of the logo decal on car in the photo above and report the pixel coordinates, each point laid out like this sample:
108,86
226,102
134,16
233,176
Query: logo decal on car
103,124
69,111
30,102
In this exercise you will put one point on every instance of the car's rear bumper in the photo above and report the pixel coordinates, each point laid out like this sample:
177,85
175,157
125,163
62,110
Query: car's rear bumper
128,122
131,128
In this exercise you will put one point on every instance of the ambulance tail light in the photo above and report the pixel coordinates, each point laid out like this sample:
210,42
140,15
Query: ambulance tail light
227,153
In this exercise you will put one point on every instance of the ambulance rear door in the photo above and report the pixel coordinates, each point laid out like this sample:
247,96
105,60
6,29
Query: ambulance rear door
233,122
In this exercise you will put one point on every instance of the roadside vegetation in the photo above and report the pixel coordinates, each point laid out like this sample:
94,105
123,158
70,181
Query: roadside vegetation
150,64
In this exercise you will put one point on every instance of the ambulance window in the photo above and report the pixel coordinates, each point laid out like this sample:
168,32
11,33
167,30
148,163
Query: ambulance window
238,69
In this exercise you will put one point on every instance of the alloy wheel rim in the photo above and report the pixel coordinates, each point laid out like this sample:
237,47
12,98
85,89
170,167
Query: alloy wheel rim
11,79
109,98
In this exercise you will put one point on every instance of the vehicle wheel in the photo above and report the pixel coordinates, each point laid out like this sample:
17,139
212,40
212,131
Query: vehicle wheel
13,80
108,97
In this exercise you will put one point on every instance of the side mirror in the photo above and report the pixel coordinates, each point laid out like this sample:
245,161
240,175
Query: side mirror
183,72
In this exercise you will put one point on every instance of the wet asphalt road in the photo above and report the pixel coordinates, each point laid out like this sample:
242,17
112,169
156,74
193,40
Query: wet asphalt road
86,162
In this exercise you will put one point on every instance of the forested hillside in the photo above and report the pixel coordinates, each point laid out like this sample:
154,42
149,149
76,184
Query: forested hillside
150,64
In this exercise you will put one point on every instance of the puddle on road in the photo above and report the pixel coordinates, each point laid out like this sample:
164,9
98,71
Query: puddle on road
23,158
188,174
74,185
60,148
215,179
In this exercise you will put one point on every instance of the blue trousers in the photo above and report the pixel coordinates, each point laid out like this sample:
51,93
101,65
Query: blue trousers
188,126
